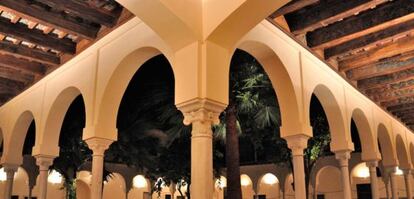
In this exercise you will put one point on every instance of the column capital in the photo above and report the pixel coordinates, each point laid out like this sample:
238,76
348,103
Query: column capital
407,171
297,143
201,110
372,163
98,145
343,154
10,167
44,161
390,169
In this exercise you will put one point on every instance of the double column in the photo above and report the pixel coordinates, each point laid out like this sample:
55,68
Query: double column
44,162
98,146
372,166
343,158
202,114
297,143
391,172
408,184
10,170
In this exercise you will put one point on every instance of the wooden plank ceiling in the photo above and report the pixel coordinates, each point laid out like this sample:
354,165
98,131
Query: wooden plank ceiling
37,36
369,42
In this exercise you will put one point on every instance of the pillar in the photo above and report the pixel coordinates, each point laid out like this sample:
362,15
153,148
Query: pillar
372,165
98,146
408,184
297,143
10,170
202,114
343,157
394,188
44,162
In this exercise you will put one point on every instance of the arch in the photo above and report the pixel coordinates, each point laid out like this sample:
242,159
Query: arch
340,140
114,90
14,145
82,190
281,82
246,186
369,148
328,182
115,187
402,153
387,149
48,142
269,185
412,153
360,171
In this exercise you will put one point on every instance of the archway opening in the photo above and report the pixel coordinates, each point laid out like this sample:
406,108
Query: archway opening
30,139
325,186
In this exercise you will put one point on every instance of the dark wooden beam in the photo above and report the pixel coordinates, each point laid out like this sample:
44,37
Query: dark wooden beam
370,21
394,102
380,68
85,11
292,6
327,12
401,107
393,94
15,75
58,20
405,46
37,37
23,65
390,87
397,77
31,54
403,112
373,39
12,84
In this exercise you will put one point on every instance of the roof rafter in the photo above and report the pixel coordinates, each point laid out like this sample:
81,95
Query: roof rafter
32,54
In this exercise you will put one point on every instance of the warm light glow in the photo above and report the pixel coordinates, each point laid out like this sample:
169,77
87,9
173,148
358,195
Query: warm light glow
221,183
244,180
399,172
54,177
270,179
139,181
3,176
361,171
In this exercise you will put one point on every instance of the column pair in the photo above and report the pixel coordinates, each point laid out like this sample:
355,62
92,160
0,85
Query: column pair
43,162
372,166
10,170
391,174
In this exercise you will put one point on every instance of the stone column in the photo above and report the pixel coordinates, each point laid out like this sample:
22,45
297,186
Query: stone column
394,188
10,170
297,143
202,114
343,157
98,146
408,184
44,162
372,165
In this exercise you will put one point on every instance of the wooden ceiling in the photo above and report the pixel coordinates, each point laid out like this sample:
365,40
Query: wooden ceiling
37,36
369,42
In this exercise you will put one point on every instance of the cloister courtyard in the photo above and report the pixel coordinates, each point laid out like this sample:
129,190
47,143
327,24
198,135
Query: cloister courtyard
206,99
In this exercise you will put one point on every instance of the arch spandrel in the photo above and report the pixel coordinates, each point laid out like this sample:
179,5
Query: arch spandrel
368,139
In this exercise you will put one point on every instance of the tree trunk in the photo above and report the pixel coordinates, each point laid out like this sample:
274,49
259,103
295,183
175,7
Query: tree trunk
232,154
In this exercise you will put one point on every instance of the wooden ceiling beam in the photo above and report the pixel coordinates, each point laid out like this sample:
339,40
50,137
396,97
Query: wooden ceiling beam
393,94
327,12
85,11
22,32
404,112
23,65
31,54
405,46
371,40
401,107
380,68
395,78
58,20
389,87
384,16
292,6
394,102
15,75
